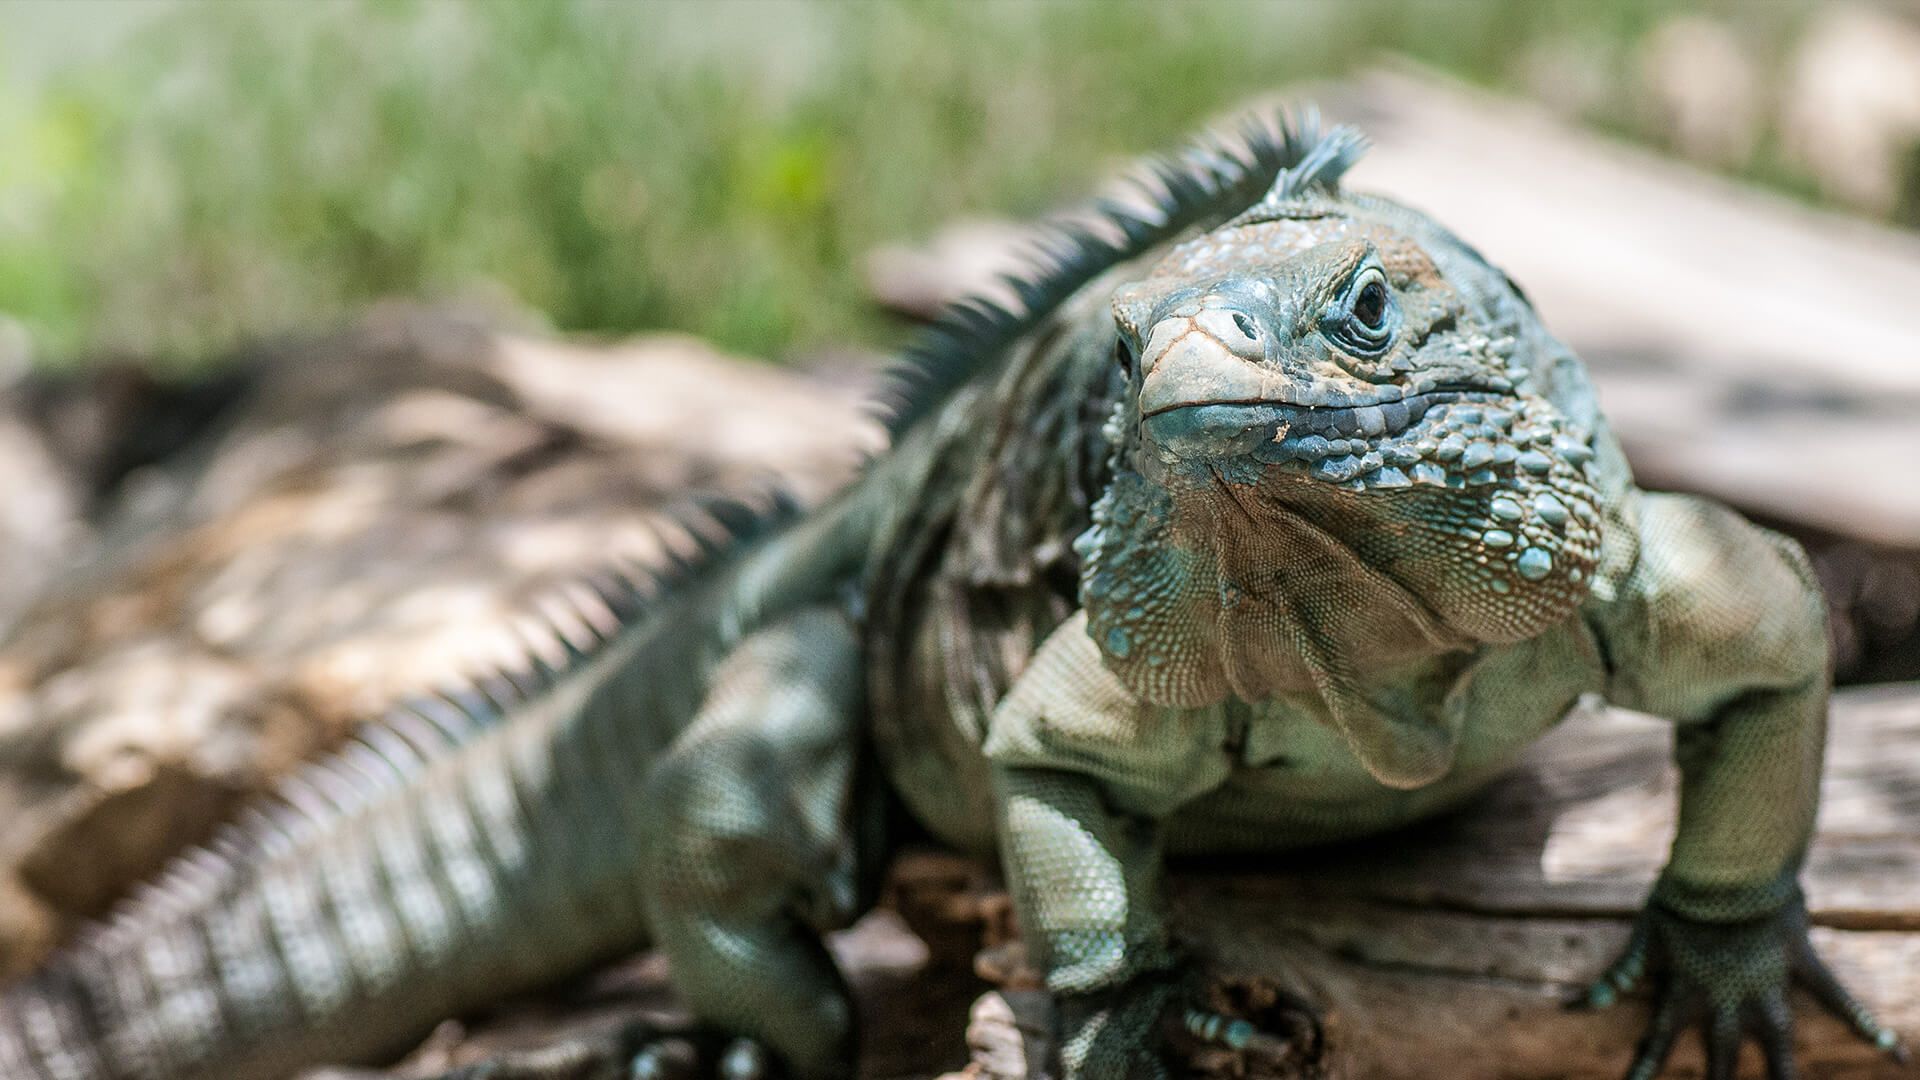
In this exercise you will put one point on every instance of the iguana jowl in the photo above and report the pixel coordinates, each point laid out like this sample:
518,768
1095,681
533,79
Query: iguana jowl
1276,517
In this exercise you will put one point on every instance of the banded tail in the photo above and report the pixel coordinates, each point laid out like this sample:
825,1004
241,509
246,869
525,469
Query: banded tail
467,845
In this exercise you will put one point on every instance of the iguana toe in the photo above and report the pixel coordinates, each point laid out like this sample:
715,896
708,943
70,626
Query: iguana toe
1812,972
746,1059
1233,1033
665,1059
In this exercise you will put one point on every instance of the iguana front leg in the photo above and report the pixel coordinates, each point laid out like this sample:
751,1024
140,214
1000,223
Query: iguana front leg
1720,628
1085,882
1084,775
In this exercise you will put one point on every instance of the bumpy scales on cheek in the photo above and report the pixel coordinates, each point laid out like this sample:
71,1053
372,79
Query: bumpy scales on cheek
1509,548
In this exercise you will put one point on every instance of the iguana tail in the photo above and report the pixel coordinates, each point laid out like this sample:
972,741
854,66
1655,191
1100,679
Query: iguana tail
465,846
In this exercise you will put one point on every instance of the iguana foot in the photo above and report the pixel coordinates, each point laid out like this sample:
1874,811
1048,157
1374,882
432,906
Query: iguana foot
1239,1028
1732,980
634,1051
1247,1027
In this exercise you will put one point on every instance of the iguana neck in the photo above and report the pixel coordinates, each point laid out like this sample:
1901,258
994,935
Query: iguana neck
1201,591
1203,582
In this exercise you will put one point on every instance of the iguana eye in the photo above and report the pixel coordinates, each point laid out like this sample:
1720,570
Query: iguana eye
1363,322
1370,307
1123,355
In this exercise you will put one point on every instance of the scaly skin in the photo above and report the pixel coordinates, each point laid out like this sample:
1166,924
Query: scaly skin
1272,521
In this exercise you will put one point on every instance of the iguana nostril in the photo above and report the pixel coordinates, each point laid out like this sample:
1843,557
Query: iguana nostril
1246,326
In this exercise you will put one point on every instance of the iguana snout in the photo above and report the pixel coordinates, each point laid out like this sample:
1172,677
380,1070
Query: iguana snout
1206,351
1252,341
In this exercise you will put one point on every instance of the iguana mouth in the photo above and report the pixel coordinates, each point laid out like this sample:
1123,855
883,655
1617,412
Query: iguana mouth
1451,438
1365,419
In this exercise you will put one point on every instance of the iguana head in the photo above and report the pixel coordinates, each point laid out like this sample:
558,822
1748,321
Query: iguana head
1340,453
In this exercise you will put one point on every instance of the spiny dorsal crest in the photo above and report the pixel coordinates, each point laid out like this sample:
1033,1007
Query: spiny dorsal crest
1329,155
1284,154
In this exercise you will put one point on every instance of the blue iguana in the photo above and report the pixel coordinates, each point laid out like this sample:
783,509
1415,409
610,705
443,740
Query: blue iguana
1272,516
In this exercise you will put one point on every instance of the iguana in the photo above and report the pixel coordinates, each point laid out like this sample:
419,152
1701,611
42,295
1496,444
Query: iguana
1272,515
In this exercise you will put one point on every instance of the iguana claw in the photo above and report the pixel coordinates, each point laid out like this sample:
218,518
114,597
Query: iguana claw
1732,979
1234,1034
665,1059
1113,1036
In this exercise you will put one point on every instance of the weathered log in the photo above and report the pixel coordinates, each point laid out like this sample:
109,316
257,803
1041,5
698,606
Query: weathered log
1442,951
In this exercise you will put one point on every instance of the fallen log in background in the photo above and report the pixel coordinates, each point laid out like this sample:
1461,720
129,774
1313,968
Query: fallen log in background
1745,346
377,512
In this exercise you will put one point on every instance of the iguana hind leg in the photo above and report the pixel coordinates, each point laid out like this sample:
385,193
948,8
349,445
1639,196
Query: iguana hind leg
759,836
763,811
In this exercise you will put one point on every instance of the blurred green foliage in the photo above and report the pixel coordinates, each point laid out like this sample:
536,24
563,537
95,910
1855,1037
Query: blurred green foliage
232,169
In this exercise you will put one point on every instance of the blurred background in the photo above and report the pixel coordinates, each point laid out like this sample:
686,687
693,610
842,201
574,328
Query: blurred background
338,339
181,177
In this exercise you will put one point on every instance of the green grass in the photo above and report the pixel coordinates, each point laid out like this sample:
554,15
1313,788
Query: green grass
227,170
